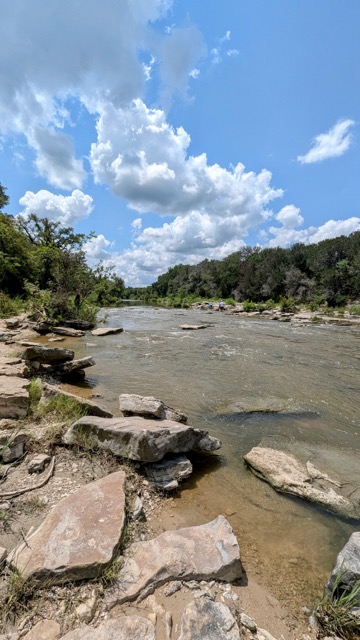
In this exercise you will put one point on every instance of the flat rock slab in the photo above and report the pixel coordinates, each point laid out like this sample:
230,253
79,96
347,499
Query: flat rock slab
209,551
47,355
44,630
194,327
79,536
67,368
92,408
12,445
204,618
12,367
288,475
14,397
106,331
125,628
140,439
68,331
132,404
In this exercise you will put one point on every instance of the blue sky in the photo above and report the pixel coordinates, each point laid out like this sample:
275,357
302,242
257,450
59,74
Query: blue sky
182,130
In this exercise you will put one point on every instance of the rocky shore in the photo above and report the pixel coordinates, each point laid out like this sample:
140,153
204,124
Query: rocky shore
80,552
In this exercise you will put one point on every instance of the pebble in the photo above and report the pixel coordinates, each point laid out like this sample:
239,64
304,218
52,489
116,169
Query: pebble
248,622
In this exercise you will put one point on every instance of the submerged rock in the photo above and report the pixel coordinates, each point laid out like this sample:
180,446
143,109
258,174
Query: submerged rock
140,439
79,536
288,475
209,551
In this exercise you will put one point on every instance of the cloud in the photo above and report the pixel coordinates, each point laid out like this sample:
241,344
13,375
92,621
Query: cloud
289,216
97,248
331,144
180,50
285,236
68,210
146,161
55,158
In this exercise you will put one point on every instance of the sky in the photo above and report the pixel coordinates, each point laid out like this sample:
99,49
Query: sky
179,130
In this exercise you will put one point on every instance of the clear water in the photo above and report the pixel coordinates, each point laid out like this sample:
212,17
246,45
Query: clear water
288,545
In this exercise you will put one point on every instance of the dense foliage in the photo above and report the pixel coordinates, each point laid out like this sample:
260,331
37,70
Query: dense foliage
327,272
44,264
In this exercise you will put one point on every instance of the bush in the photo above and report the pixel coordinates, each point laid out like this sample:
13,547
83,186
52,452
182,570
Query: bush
354,310
9,306
287,305
334,612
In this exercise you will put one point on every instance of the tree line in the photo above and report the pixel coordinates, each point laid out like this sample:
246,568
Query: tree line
324,273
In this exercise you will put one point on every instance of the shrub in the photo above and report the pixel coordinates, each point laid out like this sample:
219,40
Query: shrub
9,306
334,612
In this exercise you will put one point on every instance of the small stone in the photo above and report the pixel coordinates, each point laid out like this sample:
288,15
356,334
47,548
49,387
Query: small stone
38,463
262,634
152,617
138,509
248,622
171,588
86,610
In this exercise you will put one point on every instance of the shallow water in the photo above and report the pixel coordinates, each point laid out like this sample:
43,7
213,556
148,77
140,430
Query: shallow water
313,371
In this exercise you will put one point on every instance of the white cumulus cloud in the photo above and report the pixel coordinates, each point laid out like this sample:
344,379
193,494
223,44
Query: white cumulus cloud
331,144
68,210
285,236
146,161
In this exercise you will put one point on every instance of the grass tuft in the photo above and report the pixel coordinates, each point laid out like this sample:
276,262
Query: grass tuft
334,613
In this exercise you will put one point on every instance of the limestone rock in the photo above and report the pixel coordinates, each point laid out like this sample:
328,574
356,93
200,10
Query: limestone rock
132,404
287,475
38,462
92,408
44,630
137,438
12,367
67,368
207,619
105,331
347,567
86,610
12,323
68,331
79,536
14,397
12,446
194,553
194,327
124,628
46,355
163,474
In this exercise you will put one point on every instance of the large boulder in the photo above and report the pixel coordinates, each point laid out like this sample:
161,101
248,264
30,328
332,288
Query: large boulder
204,618
137,438
346,572
132,404
47,355
209,551
288,475
124,628
80,535
14,397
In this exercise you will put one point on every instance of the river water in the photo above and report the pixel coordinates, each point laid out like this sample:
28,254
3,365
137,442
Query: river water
213,375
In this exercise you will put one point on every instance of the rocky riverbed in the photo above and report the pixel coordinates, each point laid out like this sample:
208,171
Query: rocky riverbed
82,553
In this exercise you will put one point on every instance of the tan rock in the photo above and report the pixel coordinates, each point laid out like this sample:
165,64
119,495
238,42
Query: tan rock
132,404
207,619
12,445
79,536
14,397
137,438
288,475
86,610
194,553
44,630
68,331
124,628
105,331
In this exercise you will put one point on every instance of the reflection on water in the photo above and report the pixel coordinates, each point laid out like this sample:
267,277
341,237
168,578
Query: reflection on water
311,371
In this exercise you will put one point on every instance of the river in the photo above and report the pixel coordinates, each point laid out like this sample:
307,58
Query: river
213,375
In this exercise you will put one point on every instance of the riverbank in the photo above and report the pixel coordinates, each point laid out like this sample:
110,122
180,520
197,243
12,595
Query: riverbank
251,598
74,469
